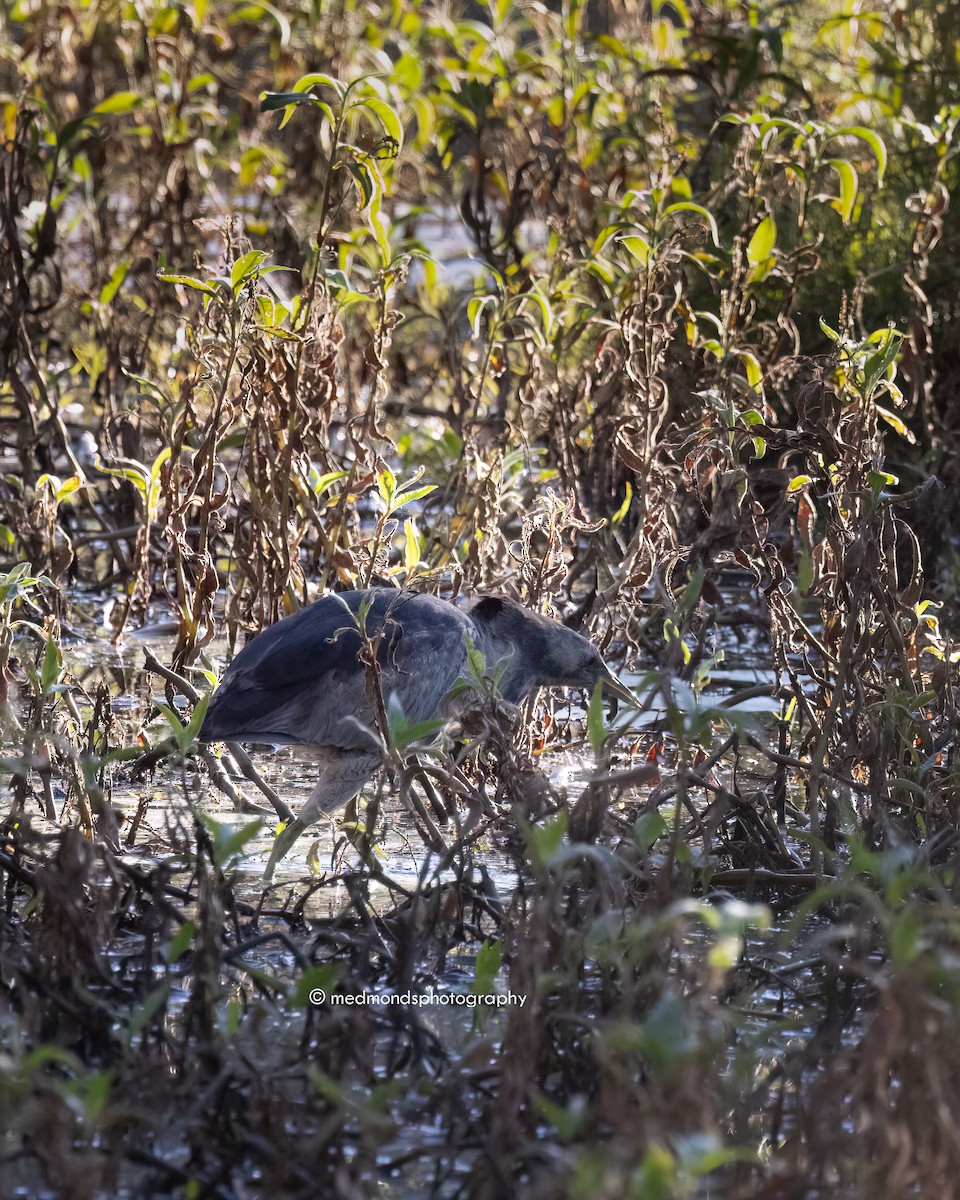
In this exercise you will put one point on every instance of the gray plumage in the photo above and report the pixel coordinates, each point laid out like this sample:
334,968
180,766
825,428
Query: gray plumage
302,680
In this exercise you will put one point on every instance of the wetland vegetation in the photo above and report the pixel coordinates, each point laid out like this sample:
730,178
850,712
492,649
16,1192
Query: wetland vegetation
644,314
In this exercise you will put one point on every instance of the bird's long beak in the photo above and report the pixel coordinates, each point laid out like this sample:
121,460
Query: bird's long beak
617,691
281,847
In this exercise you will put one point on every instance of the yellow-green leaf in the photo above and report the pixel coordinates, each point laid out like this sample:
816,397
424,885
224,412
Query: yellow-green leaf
638,247
596,731
411,545
624,508
387,118
120,102
198,285
761,245
876,144
112,286
305,82
751,368
895,422
848,188
689,206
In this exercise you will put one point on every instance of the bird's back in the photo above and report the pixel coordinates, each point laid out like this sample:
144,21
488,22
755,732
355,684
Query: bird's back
302,680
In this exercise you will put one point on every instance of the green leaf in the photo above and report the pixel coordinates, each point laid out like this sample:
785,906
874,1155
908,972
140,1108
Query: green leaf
155,388
173,720
315,979
374,214
407,485
335,281
476,664
273,100
691,594
386,486
152,493
596,730
192,728
180,942
228,841
136,474
67,132
321,483
831,333
602,238
254,13
289,101
141,1016
269,983
544,840
489,961
543,304
404,497
805,572
51,666
879,364
880,480
905,939
95,1095
556,110
403,731
408,72
647,829
364,181
797,483
17,582
244,269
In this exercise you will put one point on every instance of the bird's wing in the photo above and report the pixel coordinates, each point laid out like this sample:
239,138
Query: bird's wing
301,680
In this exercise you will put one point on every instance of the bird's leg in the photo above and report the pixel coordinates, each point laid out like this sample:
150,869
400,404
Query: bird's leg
249,771
436,803
342,775
431,834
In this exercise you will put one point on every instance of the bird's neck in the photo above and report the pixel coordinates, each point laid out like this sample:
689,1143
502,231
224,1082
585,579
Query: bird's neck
497,651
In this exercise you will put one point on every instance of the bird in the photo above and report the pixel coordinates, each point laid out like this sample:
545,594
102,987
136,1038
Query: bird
303,680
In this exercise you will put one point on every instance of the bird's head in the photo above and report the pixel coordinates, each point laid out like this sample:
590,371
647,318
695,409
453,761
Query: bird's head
543,653
571,661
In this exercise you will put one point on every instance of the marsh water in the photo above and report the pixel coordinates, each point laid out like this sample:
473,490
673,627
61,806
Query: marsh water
739,677
775,1022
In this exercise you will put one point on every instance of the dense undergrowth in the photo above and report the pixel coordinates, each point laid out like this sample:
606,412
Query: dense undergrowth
619,309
